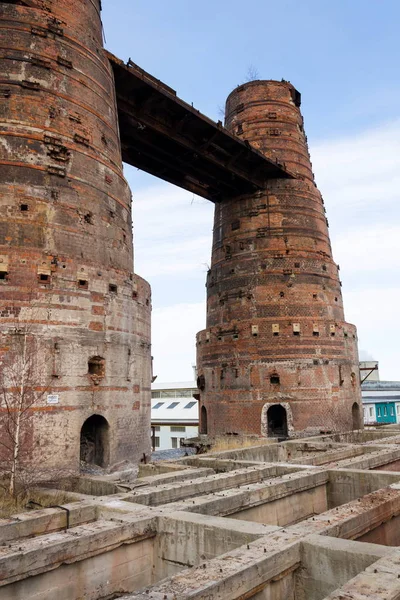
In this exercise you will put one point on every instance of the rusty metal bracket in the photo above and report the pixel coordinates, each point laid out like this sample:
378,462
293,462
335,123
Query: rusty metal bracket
40,62
40,31
64,62
31,85
59,171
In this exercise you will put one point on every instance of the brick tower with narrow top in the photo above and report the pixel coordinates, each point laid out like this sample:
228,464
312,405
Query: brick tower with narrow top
277,357
66,252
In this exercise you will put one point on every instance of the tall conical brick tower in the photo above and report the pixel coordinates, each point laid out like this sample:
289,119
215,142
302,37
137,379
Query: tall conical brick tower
66,252
277,357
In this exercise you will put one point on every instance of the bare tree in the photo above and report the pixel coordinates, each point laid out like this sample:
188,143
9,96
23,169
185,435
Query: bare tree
22,386
221,112
252,74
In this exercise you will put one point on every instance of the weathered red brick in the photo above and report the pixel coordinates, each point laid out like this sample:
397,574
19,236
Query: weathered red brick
272,273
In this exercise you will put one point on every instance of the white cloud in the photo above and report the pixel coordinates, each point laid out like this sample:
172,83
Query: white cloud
369,249
359,177
173,232
375,312
174,331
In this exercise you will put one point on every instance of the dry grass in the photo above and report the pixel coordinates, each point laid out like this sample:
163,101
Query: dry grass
237,442
11,506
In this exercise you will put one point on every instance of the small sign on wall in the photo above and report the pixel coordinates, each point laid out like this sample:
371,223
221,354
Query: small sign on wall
53,399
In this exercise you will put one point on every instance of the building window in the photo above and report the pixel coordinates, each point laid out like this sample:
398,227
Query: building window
398,409
174,442
190,405
167,394
379,411
156,442
384,411
156,394
392,411
158,405
173,405
371,411
178,429
185,393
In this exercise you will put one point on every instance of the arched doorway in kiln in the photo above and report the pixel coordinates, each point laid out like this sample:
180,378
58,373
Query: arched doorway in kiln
95,443
355,413
277,421
203,420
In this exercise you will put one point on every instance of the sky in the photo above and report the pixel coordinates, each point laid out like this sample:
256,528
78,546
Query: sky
343,56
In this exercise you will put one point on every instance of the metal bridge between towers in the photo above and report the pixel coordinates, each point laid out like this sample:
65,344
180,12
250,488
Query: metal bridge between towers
166,137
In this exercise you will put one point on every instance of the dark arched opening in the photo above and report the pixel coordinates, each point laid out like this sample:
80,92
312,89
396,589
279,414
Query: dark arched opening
95,441
277,421
355,412
203,420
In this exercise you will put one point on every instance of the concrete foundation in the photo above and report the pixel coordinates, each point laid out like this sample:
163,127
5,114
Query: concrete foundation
296,520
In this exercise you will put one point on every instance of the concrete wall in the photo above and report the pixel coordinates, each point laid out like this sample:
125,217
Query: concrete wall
387,534
188,540
124,569
276,590
288,510
328,563
345,486
393,466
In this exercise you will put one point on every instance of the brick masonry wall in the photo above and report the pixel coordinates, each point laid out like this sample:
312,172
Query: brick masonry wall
66,232
274,302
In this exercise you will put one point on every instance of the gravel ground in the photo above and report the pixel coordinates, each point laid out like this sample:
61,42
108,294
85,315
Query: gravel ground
171,454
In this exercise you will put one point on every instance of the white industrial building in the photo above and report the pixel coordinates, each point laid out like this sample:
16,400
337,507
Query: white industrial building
381,399
174,413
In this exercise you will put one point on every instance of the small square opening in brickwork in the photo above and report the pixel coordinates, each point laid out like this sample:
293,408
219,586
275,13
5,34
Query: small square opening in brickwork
24,207
96,366
112,288
235,225
3,275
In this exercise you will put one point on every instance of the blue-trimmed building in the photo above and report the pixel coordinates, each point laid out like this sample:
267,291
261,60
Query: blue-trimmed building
381,401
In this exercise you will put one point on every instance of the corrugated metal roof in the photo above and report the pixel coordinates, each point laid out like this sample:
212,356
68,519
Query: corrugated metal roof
380,385
384,398
174,411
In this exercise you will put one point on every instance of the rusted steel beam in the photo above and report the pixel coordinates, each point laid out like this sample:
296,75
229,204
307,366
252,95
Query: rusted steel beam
153,117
